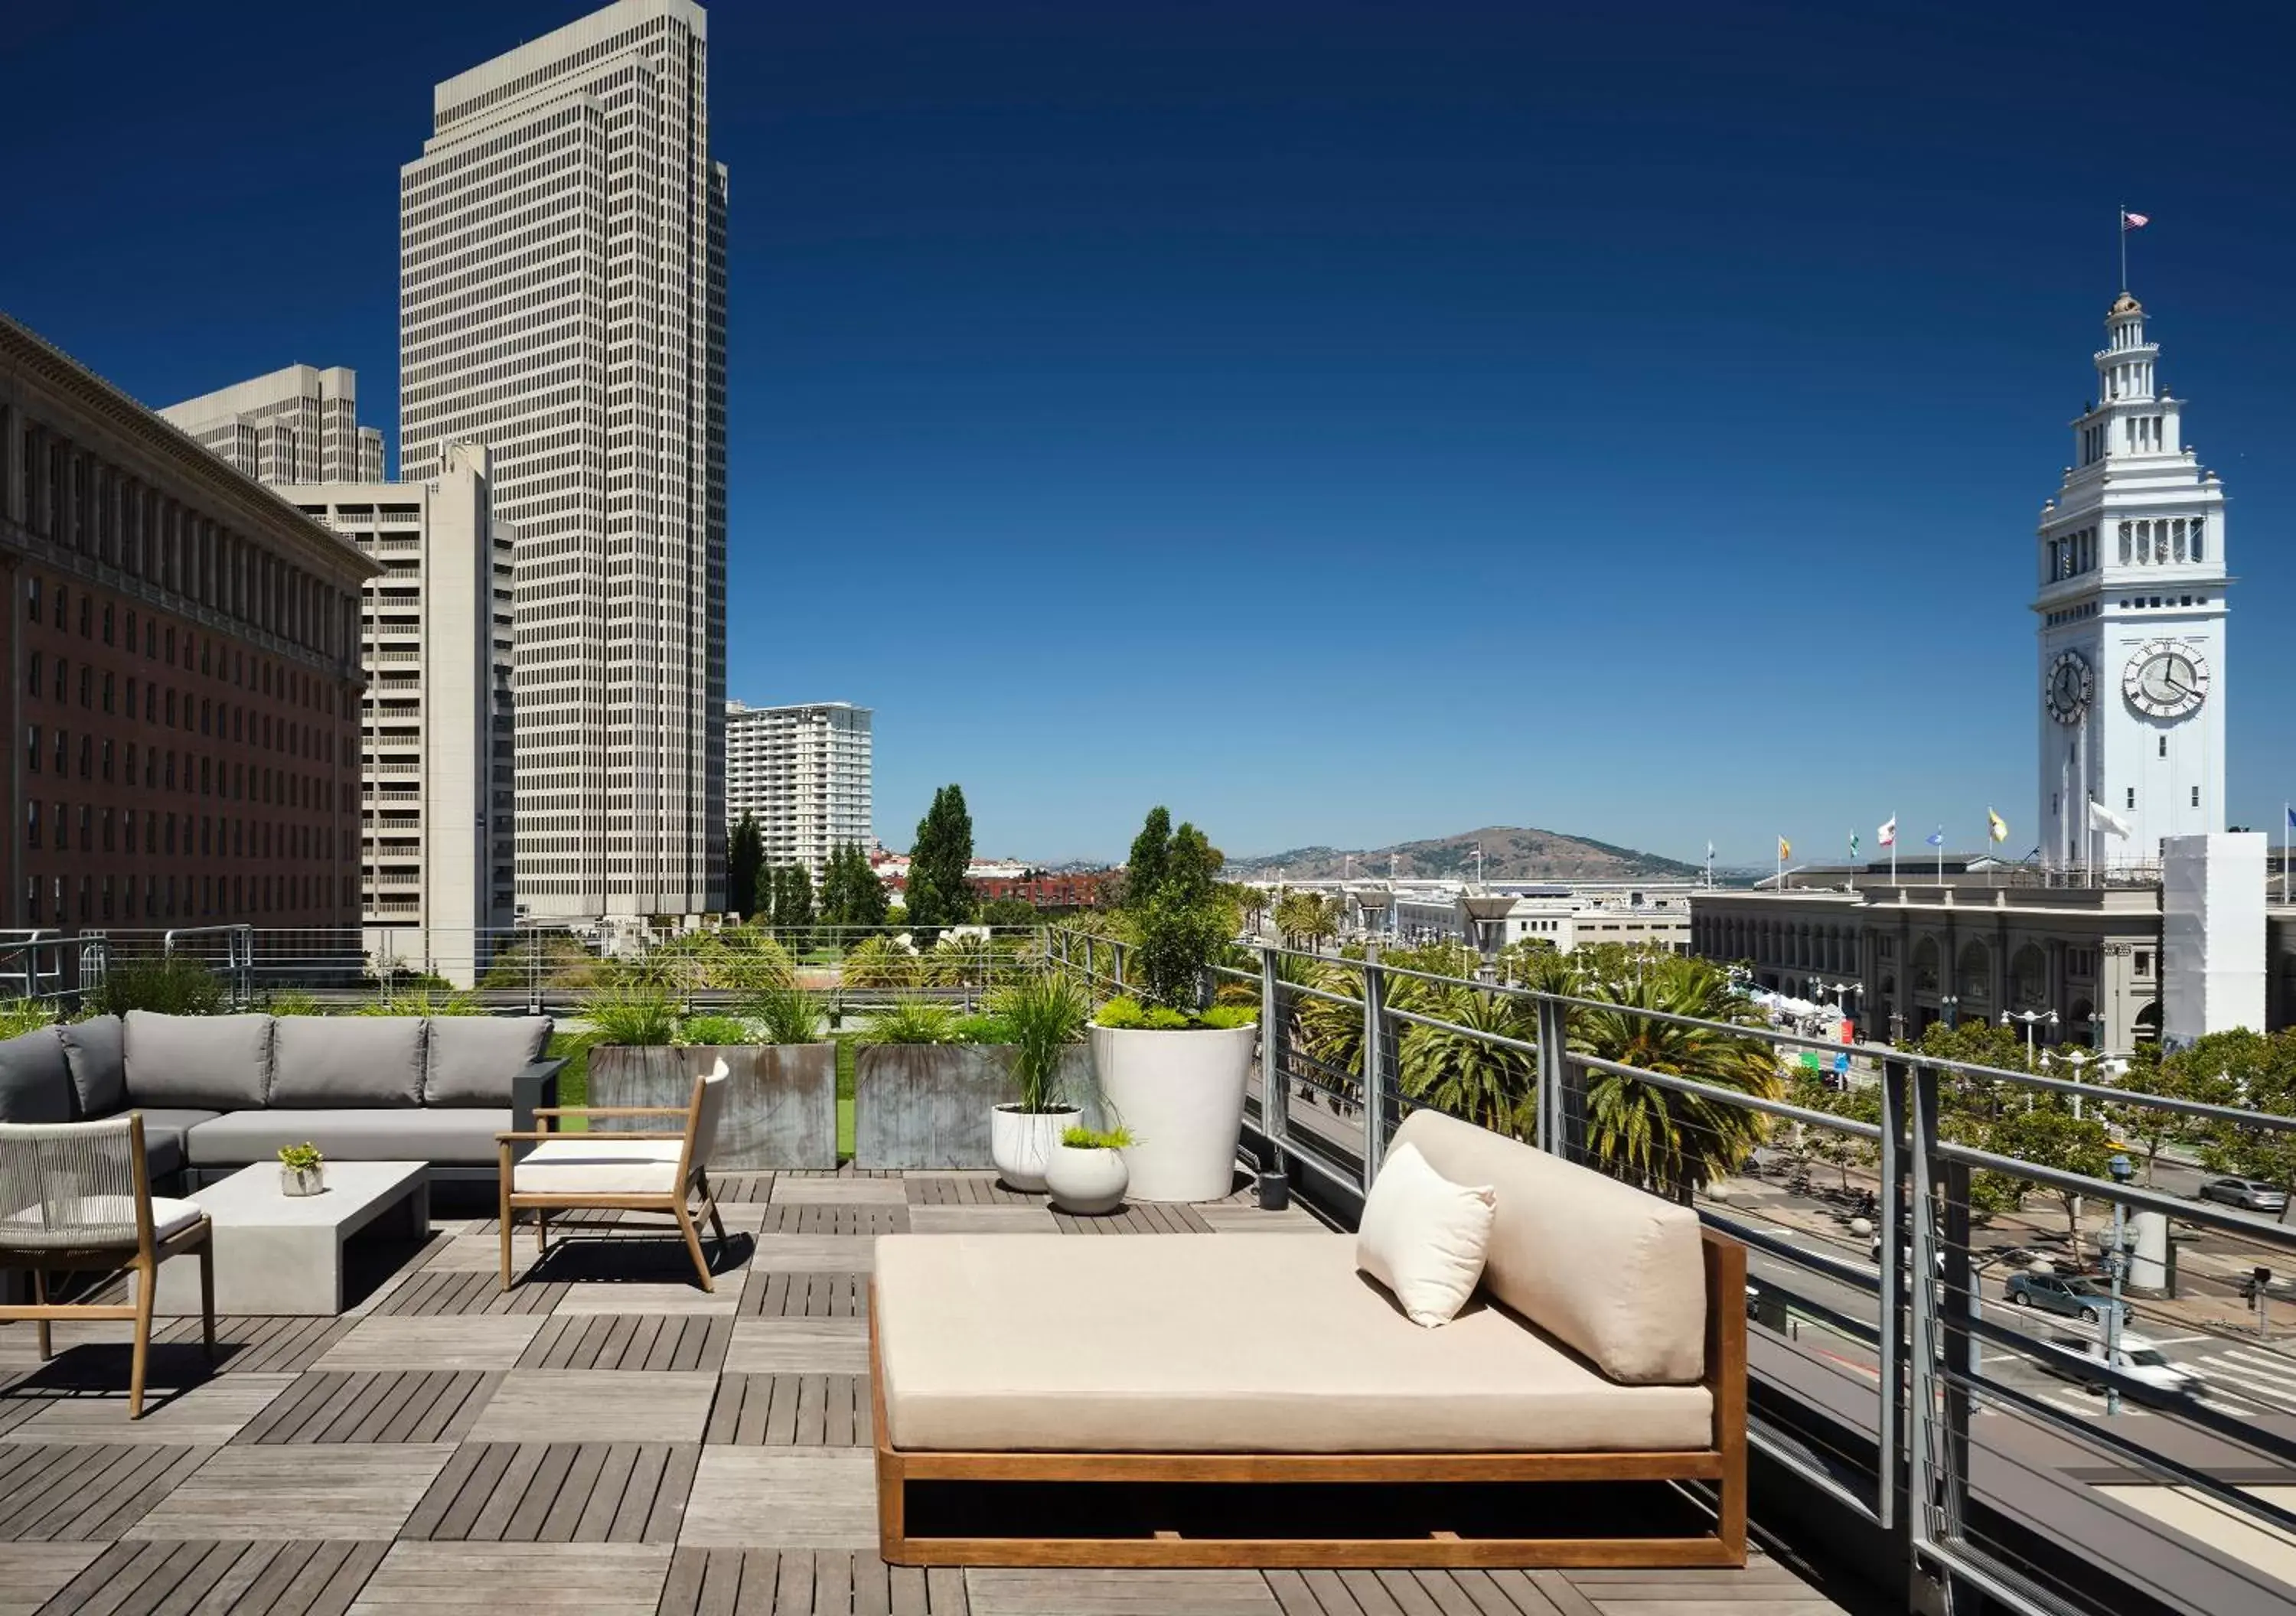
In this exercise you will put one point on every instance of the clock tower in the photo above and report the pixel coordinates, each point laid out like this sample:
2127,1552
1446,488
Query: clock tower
2131,616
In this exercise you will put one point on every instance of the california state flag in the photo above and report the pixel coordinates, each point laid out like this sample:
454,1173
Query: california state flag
1887,835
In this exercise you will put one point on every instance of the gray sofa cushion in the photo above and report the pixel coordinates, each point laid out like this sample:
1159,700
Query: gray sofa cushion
95,1051
471,1059
459,1136
164,1132
222,1062
35,1084
338,1062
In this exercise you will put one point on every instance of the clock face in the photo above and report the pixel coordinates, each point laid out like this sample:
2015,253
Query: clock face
2166,679
2067,689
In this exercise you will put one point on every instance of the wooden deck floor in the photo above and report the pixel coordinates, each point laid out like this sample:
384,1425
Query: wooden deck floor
605,1439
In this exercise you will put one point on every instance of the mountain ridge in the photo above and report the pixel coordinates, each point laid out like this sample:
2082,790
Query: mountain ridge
1511,852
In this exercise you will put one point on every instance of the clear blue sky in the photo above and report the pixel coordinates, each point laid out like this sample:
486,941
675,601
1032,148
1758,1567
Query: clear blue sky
1344,423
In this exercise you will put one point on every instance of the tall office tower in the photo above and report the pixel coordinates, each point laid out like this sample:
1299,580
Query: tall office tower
298,425
803,773
436,861
562,303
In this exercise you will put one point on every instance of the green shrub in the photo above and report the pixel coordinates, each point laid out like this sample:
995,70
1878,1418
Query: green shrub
1229,1016
291,1001
913,1021
1097,1139
1130,1013
634,1012
983,1028
708,1030
420,1001
21,1016
786,1014
880,962
173,984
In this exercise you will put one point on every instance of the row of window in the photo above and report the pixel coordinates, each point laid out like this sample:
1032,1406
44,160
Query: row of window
223,720
47,900
207,776
205,835
206,656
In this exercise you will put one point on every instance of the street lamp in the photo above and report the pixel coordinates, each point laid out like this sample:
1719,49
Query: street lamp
2032,1018
1950,1003
2116,1264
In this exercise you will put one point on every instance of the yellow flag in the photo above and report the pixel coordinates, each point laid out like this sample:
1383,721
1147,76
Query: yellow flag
1786,850
1995,826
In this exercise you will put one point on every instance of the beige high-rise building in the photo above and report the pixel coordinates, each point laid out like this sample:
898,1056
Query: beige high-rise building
804,774
562,303
298,425
436,851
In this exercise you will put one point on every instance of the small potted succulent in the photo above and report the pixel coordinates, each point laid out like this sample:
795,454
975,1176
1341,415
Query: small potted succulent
1086,1174
302,1170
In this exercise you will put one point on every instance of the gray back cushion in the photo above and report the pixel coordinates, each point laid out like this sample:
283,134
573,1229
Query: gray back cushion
34,1085
472,1058
333,1062
215,1062
94,1049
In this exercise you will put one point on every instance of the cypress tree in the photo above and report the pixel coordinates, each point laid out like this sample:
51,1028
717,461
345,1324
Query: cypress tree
745,861
938,893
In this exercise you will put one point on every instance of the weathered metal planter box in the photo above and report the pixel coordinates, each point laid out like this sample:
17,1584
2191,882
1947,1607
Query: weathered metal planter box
928,1104
781,1111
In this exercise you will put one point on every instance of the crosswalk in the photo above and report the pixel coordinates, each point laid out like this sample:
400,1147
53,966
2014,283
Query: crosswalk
2254,1373
2240,1381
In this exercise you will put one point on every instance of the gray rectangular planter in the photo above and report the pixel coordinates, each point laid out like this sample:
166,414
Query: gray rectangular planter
781,1111
928,1104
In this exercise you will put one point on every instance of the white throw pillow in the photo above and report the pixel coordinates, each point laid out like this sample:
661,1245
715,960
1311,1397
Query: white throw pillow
1423,1236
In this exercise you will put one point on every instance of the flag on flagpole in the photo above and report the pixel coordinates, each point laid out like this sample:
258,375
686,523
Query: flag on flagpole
1937,837
1853,843
1887,835
1785,849
1995,827
2134,221
2104,819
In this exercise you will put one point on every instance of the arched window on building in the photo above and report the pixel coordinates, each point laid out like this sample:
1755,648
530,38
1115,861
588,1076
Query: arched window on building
1973,976
2029,979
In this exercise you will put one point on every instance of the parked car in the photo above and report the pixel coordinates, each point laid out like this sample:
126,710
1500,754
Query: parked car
2253,1195
2075,1297
2138,1359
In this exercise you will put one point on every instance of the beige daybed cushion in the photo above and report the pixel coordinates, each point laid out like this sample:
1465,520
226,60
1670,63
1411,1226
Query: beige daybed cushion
1224,1343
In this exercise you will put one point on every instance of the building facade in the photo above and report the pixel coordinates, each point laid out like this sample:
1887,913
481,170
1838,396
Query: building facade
1651,914
562,304
437,862
2130,613
183,674
298,425
804,773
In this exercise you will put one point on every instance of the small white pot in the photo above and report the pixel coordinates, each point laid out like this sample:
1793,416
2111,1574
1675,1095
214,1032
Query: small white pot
1180,1094
1089,1181
1022,1142
302,1180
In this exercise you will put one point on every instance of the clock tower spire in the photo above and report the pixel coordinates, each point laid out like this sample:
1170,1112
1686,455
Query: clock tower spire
2130,612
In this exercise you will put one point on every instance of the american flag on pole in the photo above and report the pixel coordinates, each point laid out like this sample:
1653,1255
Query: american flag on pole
2134,221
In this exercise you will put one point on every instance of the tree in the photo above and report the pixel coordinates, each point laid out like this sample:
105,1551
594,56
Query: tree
1143,870
1178,917
852,894
2258,1073
792,904
2050,1135
938,893
1462,1073
1304,916
1008,911
745,861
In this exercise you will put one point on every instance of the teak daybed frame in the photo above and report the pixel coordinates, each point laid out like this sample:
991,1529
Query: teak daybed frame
1722,1465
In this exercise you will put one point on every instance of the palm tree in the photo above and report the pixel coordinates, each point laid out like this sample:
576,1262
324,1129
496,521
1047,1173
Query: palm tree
1667,1141
1461,1072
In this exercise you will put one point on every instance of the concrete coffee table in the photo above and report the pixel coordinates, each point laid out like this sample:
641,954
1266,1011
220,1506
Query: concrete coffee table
281,1253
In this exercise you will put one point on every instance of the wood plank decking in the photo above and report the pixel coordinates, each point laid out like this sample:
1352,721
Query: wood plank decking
606,1438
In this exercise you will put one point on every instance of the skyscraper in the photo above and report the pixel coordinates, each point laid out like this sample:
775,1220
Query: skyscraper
298,425
803,773
562,304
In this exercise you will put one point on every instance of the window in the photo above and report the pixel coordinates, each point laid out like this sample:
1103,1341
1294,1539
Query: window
32,747
32,827
2144,963
2196,797
2132,797
33,683
2164,745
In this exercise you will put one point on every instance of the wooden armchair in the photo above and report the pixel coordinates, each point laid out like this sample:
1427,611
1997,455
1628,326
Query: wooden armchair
76,1197
636,1170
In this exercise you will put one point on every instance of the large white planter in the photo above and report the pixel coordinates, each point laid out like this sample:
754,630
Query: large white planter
1088,1181
1022,1142
1180,1095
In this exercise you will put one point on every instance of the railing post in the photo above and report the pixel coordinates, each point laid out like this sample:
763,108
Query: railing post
1889,1488
1116,946
1374,1090
1925,1522
1275,1088
1562,1120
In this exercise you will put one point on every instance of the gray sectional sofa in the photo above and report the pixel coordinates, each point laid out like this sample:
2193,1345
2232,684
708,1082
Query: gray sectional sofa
219,1092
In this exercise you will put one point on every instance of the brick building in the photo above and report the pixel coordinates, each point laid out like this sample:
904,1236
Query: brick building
1042,890
184,679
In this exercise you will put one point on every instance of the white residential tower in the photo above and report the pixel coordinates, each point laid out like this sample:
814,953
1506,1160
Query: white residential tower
804,773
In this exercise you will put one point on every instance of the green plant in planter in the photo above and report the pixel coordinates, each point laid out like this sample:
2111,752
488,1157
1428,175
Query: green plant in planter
20,1015
1178,921
704,1032
983,1027
1126,1012
913,1021
786,1014
1046,1013
1097,1139
301,1158
638,1011
420,1001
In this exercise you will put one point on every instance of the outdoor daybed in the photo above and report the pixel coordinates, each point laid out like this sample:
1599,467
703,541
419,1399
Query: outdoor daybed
1223,1399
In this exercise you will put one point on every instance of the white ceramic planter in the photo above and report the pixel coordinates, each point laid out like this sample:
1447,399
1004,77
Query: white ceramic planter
302,1180
1022,1142
1180,1095
1089,1181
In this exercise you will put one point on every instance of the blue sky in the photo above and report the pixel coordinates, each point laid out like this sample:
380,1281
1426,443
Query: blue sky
1344,423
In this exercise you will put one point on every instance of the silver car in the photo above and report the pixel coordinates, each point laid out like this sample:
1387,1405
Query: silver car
2253,1195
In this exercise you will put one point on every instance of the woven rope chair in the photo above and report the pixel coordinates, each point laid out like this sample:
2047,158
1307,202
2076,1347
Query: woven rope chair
76,1197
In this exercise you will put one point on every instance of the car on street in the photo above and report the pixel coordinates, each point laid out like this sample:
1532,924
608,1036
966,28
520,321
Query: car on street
2074,1296
2251,1194
2138,1359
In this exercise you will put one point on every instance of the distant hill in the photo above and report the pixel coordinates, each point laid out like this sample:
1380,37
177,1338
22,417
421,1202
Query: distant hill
1511,852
